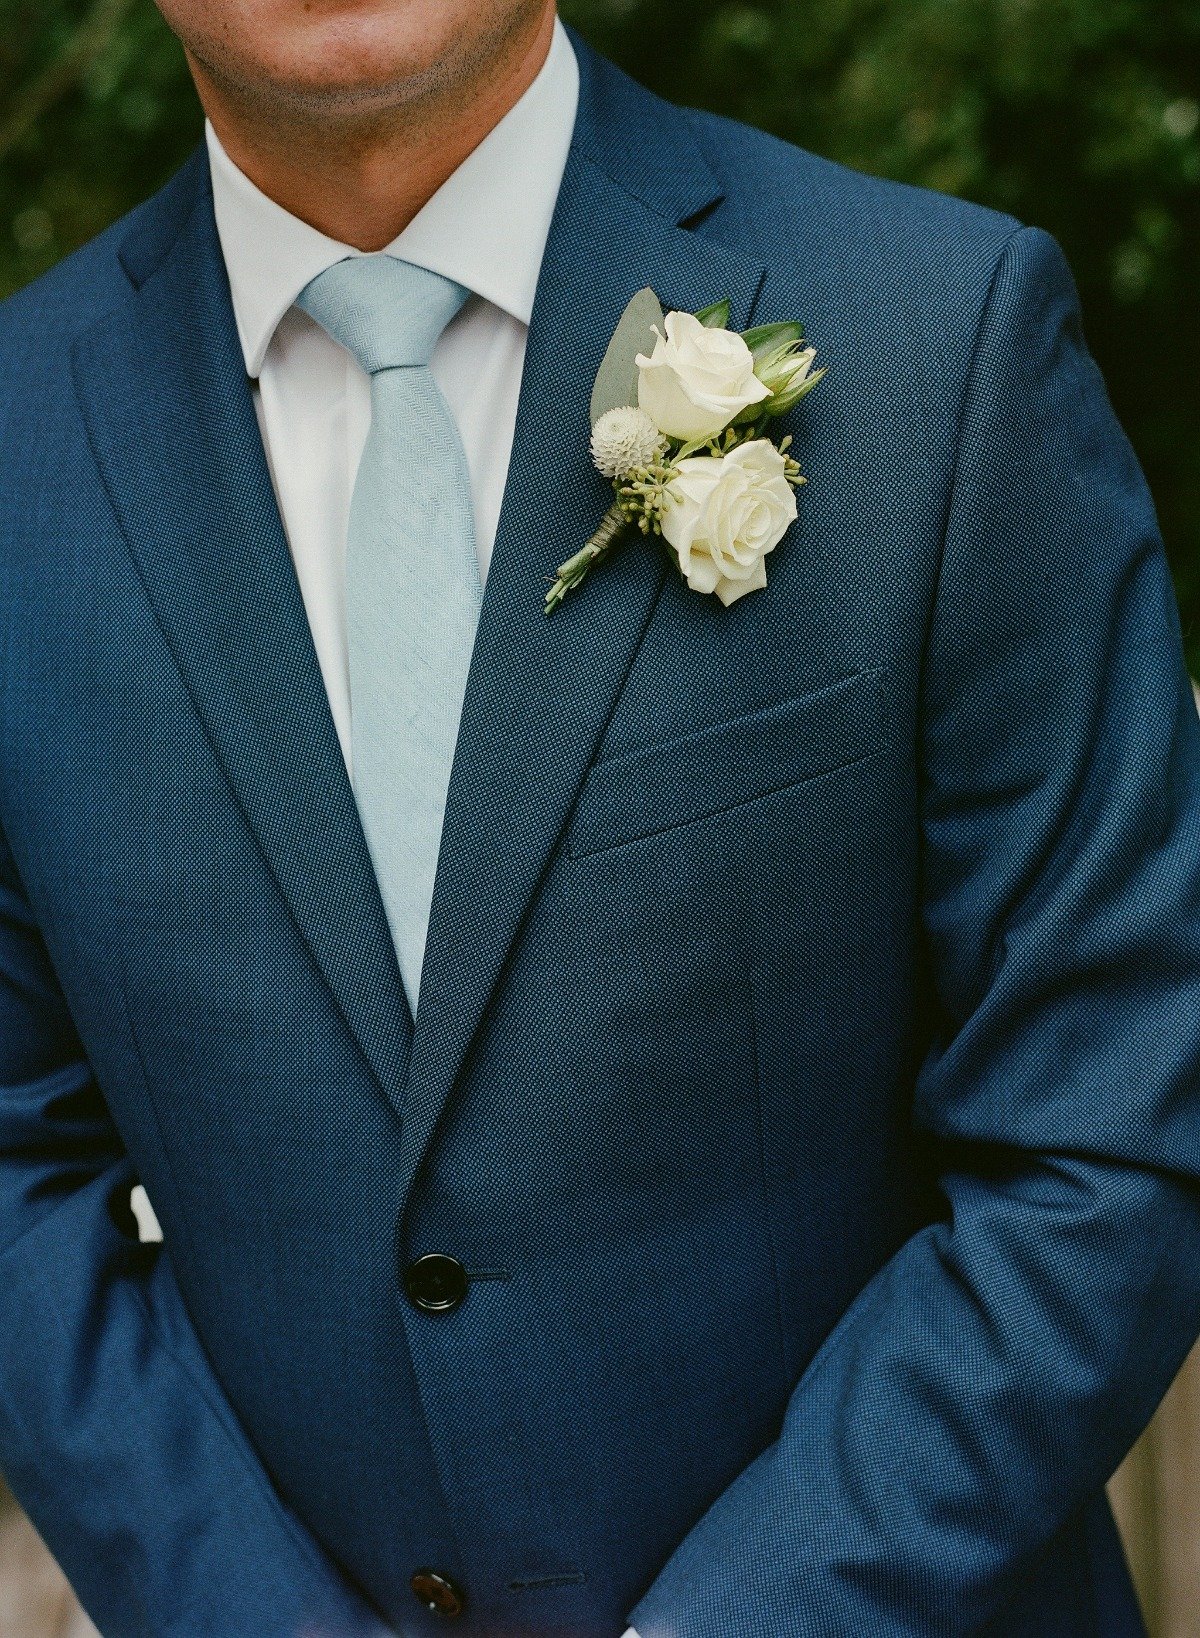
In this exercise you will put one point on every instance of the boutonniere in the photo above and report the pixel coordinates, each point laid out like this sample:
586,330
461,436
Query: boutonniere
681,414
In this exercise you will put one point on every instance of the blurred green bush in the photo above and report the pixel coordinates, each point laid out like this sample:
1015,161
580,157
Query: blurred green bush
1082,116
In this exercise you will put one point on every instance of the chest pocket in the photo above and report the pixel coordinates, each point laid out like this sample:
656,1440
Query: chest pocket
661,787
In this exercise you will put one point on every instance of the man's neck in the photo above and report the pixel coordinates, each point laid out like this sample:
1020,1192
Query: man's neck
361,180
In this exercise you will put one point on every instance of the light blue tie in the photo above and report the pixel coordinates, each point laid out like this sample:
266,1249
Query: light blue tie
412,578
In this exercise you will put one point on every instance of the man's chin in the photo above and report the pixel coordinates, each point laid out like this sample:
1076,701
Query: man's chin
350,57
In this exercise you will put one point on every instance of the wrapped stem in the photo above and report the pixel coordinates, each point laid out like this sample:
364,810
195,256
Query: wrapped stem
569,574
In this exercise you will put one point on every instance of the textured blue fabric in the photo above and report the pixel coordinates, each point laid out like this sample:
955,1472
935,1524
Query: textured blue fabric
412,578
807,1062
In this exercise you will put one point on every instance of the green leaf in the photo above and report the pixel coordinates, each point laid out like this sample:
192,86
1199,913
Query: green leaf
765,338
715,316
617,378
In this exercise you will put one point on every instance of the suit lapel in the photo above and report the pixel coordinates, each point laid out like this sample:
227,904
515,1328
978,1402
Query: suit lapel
541,690
171,420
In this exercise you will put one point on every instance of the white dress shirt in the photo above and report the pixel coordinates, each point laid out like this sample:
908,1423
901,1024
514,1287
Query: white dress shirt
486,228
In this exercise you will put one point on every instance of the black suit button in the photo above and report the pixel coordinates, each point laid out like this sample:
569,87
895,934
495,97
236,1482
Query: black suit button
436,1591
436,1284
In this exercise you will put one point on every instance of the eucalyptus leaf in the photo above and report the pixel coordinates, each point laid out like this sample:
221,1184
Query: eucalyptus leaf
617,378
765,338
716,316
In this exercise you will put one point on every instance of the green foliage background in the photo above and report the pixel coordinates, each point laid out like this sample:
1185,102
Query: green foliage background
1082,116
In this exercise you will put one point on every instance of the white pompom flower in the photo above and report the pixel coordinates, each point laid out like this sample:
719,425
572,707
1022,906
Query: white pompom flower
625,441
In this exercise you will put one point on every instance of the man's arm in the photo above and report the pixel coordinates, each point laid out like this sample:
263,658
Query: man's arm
114,1433
991,1376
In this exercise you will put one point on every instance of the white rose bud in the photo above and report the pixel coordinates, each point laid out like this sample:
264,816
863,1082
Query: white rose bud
724,513
624,441
788,376
696,380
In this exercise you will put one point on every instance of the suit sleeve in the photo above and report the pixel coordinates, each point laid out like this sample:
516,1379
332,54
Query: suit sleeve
992,1375
114,1432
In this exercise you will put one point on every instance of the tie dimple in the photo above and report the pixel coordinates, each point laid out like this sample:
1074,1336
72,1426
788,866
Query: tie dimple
388,313
412,578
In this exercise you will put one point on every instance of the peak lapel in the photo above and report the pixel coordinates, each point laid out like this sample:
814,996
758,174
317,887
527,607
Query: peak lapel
164,393
541,690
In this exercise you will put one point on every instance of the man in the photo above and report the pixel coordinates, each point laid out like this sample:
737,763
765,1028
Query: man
783,1212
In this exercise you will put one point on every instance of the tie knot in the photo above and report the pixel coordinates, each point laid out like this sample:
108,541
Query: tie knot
388,313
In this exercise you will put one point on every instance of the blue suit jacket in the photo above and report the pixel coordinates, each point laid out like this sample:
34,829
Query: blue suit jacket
807,1060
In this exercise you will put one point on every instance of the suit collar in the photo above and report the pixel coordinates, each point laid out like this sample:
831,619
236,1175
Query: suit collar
155,227
646,147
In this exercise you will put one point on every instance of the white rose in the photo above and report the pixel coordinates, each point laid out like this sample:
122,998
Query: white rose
696,379
724,513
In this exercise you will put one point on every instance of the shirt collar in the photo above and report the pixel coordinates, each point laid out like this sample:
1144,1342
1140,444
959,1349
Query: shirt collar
485,227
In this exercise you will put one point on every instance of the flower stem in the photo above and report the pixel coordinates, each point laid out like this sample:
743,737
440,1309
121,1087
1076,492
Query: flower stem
569,574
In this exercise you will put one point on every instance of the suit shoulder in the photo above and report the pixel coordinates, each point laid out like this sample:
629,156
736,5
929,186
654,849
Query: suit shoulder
868,227
65,300
39,323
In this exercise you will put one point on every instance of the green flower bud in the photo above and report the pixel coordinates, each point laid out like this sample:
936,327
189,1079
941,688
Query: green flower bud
788,374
